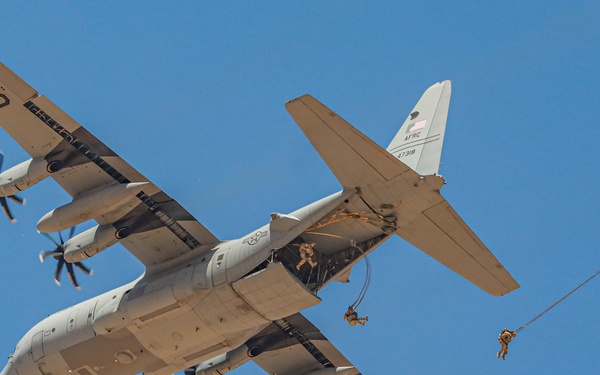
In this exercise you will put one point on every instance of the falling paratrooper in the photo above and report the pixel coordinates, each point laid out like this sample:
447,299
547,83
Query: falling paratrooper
507,335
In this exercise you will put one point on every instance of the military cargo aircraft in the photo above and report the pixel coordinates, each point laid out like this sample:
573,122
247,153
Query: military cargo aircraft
205,305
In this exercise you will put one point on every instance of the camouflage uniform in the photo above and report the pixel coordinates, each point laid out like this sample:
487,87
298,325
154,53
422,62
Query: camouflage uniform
352,317
504,339
307,254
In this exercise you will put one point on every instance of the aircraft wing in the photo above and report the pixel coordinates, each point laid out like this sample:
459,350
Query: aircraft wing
161,229
295,346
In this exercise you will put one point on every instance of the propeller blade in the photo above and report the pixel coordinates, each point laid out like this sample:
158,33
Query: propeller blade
59,254
46,254
71,273
84,269
71,232
50,238
16,199
6,210
4,202
59,267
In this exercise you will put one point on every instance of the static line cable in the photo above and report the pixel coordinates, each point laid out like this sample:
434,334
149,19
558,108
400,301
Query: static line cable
365,287
556,303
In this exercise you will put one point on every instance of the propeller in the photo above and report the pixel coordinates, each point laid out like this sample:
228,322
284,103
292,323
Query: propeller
58,254
4,201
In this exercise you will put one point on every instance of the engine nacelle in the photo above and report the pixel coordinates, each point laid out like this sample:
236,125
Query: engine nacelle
91,205
92,241
224,363
25,175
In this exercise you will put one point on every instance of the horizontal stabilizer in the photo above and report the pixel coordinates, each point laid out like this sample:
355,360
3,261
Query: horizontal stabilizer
352,157
441,233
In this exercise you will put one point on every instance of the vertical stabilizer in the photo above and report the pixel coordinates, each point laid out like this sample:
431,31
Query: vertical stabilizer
419,142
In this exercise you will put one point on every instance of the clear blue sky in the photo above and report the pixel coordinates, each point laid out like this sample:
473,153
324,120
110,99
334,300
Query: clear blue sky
192,94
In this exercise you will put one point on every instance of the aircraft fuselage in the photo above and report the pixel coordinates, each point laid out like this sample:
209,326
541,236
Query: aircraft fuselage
181,315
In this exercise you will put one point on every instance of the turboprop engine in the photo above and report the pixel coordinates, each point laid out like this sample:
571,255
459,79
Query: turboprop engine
89,206
92,241
25,175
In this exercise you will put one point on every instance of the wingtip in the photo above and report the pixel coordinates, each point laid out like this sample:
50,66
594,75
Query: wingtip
299,98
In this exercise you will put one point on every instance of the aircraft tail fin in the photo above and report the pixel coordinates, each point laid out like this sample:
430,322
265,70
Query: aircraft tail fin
405,188
419,141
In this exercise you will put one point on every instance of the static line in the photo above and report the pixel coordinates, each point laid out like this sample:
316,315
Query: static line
555,303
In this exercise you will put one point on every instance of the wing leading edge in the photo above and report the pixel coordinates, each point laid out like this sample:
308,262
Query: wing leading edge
161,229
